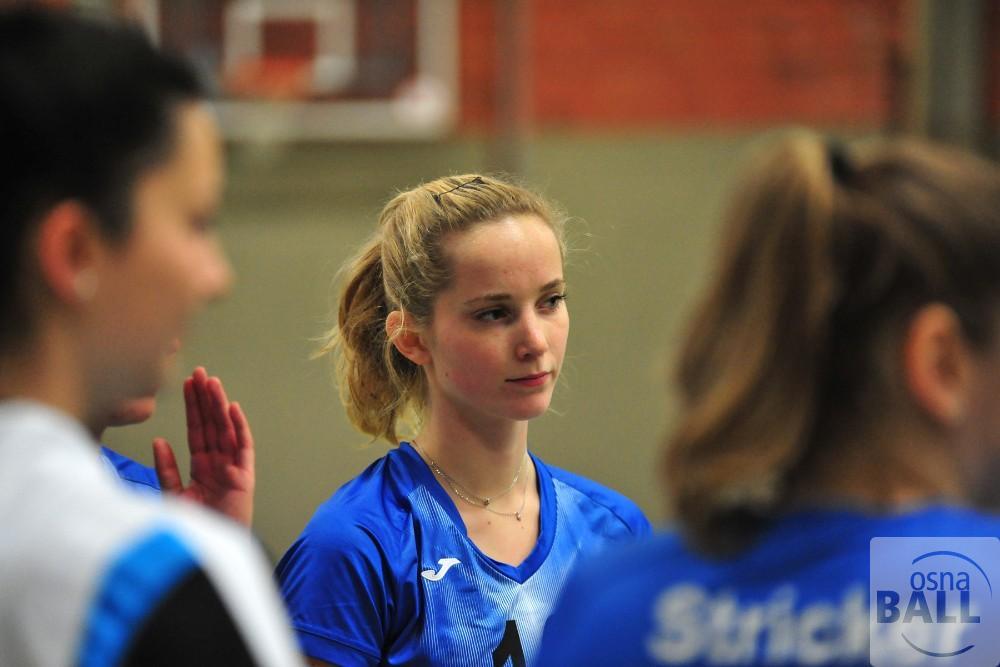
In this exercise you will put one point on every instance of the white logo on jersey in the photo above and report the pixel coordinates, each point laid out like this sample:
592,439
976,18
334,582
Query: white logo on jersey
446,564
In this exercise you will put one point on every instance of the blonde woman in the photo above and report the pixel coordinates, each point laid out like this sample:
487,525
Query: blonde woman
451,549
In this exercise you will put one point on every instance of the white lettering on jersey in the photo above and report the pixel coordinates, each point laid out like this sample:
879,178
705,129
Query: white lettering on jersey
692,624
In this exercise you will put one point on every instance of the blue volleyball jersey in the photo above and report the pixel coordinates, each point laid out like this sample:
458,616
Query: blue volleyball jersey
798,597
385,574
135,475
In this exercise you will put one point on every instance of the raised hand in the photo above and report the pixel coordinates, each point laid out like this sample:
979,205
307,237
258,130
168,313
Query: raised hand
222,451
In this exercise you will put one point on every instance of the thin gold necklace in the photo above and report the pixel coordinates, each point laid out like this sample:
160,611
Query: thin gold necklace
482,502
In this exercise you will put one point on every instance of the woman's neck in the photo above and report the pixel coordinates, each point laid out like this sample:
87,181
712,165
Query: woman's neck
44,372
889,471
482,457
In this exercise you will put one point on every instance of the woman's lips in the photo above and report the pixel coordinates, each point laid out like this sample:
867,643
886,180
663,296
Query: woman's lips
533,380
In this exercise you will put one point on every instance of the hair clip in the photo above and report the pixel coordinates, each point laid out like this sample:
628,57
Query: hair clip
841,167
478,180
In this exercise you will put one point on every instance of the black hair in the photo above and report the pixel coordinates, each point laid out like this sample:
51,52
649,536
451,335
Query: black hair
86,107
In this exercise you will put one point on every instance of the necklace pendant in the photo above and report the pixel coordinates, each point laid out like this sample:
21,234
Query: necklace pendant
486,502
517,515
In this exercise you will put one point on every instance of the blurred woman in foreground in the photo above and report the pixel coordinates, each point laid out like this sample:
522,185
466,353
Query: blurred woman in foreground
840,382
111,173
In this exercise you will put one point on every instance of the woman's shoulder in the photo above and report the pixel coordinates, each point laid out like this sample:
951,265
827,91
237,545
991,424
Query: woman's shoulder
854,527
601,497
947,519
372,506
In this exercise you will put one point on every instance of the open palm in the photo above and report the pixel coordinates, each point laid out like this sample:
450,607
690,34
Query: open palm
222,451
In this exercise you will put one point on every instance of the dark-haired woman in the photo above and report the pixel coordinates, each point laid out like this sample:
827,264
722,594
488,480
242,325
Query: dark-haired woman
111,172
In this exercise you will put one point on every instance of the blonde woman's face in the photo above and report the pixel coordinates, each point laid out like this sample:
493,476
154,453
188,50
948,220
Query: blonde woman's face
498,332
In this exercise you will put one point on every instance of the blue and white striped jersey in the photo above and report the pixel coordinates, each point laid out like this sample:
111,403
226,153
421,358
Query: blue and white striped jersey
385,574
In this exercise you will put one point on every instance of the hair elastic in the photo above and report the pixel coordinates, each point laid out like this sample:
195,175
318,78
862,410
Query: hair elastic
478,180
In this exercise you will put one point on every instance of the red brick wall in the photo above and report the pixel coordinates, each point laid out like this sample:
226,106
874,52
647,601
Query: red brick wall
648,63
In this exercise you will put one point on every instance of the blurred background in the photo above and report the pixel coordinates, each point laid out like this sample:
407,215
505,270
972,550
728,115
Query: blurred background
632,114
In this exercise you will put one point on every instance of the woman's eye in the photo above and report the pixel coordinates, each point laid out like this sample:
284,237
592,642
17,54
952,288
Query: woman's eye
491,315
552,302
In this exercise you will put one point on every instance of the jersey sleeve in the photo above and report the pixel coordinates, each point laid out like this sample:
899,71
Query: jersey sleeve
161,599
638,522
623,511
335,582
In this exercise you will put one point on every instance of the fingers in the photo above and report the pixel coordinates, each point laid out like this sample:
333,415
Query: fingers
195,420
211,427
166,467
244,438
226,441
206,407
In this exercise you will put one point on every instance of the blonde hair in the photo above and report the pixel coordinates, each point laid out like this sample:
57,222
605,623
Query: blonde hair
827,255
403,267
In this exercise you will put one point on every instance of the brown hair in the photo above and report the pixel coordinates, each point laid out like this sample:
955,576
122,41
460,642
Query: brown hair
403,267
826,255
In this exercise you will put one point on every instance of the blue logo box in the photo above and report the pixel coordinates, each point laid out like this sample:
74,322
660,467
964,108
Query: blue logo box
934,601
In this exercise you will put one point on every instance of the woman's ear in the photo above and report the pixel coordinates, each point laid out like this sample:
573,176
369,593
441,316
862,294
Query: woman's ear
402,331
67,247
938,364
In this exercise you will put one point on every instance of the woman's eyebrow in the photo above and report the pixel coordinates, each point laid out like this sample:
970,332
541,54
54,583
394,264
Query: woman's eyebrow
503,296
